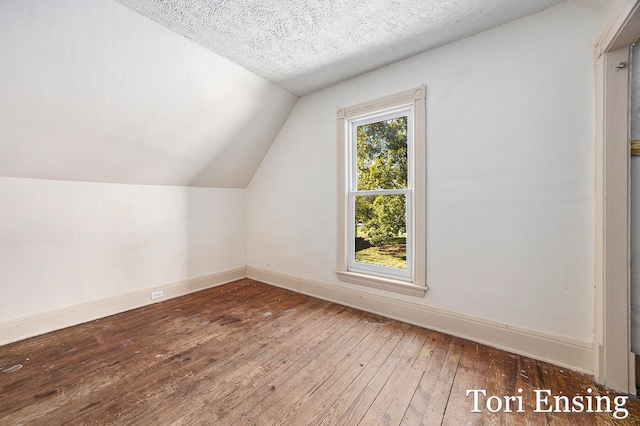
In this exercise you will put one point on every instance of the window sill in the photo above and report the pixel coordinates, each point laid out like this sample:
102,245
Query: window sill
382,283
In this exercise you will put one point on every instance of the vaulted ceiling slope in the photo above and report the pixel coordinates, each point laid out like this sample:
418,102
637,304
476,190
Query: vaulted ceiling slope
306,45
92,91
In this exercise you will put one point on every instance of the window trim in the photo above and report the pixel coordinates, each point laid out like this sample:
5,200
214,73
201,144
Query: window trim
416,99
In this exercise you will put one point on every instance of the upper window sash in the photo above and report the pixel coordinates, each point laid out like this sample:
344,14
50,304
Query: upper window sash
403,111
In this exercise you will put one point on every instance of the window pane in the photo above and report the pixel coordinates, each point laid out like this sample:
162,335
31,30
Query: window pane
382,154
381,230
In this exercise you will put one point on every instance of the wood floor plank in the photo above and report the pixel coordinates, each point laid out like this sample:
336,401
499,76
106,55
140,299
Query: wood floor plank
527,379
105,346
469,376
262,371
206,361
290,389
567,389
335,412
338,371
440,396
422,395
129,365
549,382
399,405
250,353
258,398
426,353
359,407
231,373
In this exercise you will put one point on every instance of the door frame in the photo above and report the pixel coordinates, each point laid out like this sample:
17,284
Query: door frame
614,363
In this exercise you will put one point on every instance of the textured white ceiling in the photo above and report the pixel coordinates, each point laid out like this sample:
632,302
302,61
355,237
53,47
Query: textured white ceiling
305,45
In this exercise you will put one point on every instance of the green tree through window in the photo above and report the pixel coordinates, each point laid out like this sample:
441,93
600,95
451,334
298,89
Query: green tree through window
382,163
382,193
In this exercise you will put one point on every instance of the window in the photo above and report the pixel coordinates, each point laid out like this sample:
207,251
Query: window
382,191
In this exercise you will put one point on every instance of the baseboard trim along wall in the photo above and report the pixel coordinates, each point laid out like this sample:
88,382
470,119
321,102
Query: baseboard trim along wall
554,349
557,350
33,325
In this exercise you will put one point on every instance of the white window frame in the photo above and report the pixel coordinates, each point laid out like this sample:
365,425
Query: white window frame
412,281
353,192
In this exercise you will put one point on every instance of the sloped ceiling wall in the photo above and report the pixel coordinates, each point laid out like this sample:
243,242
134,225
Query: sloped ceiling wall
92,91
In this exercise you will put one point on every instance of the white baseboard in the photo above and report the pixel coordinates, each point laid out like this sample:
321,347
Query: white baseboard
557,350
33,325
554,349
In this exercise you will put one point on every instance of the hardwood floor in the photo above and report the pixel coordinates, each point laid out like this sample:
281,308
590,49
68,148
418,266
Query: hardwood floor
249,353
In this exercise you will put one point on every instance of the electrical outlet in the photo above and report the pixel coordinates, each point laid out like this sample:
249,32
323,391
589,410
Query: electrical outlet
156,294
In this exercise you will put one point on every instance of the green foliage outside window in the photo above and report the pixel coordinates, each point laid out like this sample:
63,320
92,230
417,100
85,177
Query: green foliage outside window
382,164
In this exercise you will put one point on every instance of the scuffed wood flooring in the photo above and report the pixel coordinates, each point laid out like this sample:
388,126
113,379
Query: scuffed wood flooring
249,353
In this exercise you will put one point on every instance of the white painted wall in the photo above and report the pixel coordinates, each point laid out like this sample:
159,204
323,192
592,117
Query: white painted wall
510,180
67,243
92,91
